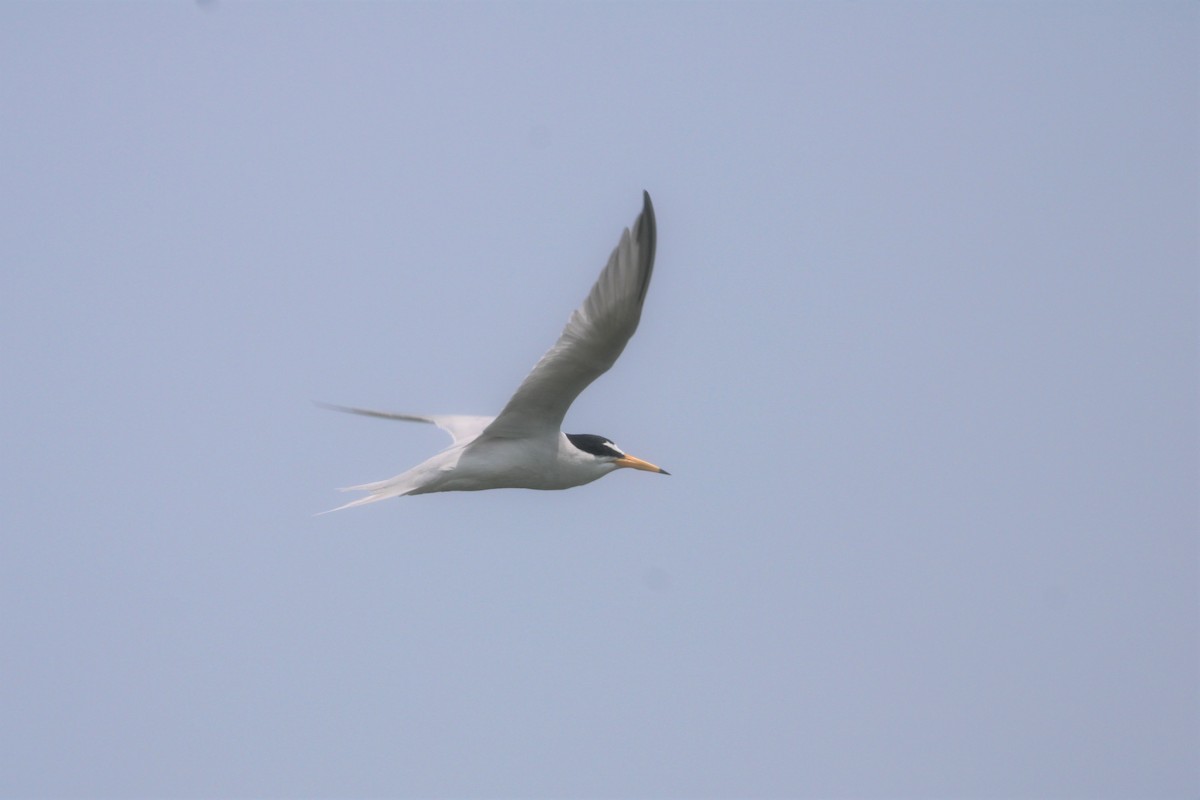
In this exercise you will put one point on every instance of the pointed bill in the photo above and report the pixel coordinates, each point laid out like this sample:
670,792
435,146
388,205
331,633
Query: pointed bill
637,463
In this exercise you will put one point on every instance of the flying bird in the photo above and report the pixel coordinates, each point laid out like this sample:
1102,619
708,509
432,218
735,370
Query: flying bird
523,447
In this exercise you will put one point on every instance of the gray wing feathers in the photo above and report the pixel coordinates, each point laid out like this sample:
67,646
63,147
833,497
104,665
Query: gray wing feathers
461,427
593,339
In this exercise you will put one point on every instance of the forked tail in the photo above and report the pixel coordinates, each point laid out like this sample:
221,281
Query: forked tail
380,490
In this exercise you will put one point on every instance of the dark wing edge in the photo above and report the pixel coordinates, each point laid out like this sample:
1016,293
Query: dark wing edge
593,339
461,427
367,412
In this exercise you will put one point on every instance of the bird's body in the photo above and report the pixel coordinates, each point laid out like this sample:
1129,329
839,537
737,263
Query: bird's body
523,446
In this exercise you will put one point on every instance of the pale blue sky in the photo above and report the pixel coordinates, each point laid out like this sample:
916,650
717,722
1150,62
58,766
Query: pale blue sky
920,353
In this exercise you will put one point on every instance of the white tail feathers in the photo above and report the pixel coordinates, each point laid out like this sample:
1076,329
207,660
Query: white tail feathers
380,490
428,476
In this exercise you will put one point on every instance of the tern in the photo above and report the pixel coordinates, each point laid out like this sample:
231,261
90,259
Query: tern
523,447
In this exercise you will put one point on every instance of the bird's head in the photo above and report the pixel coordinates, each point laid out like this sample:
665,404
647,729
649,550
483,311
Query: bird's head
605,452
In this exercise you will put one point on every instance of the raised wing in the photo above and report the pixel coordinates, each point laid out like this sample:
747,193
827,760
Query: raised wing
460,427
594,337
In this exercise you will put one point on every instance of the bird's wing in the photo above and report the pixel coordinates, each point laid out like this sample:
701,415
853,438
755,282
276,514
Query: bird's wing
460,427
594,337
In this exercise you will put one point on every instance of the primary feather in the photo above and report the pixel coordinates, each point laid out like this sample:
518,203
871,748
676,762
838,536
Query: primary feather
591,342
461,427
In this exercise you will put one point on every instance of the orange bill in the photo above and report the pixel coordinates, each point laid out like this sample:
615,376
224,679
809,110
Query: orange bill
637,463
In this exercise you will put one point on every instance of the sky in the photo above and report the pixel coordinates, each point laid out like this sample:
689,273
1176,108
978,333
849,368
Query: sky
920,353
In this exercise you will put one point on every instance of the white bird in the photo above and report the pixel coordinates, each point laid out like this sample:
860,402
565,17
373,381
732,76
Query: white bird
523,447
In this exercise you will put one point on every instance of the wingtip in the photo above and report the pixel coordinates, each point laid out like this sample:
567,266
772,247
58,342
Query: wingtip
646,231
648,210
